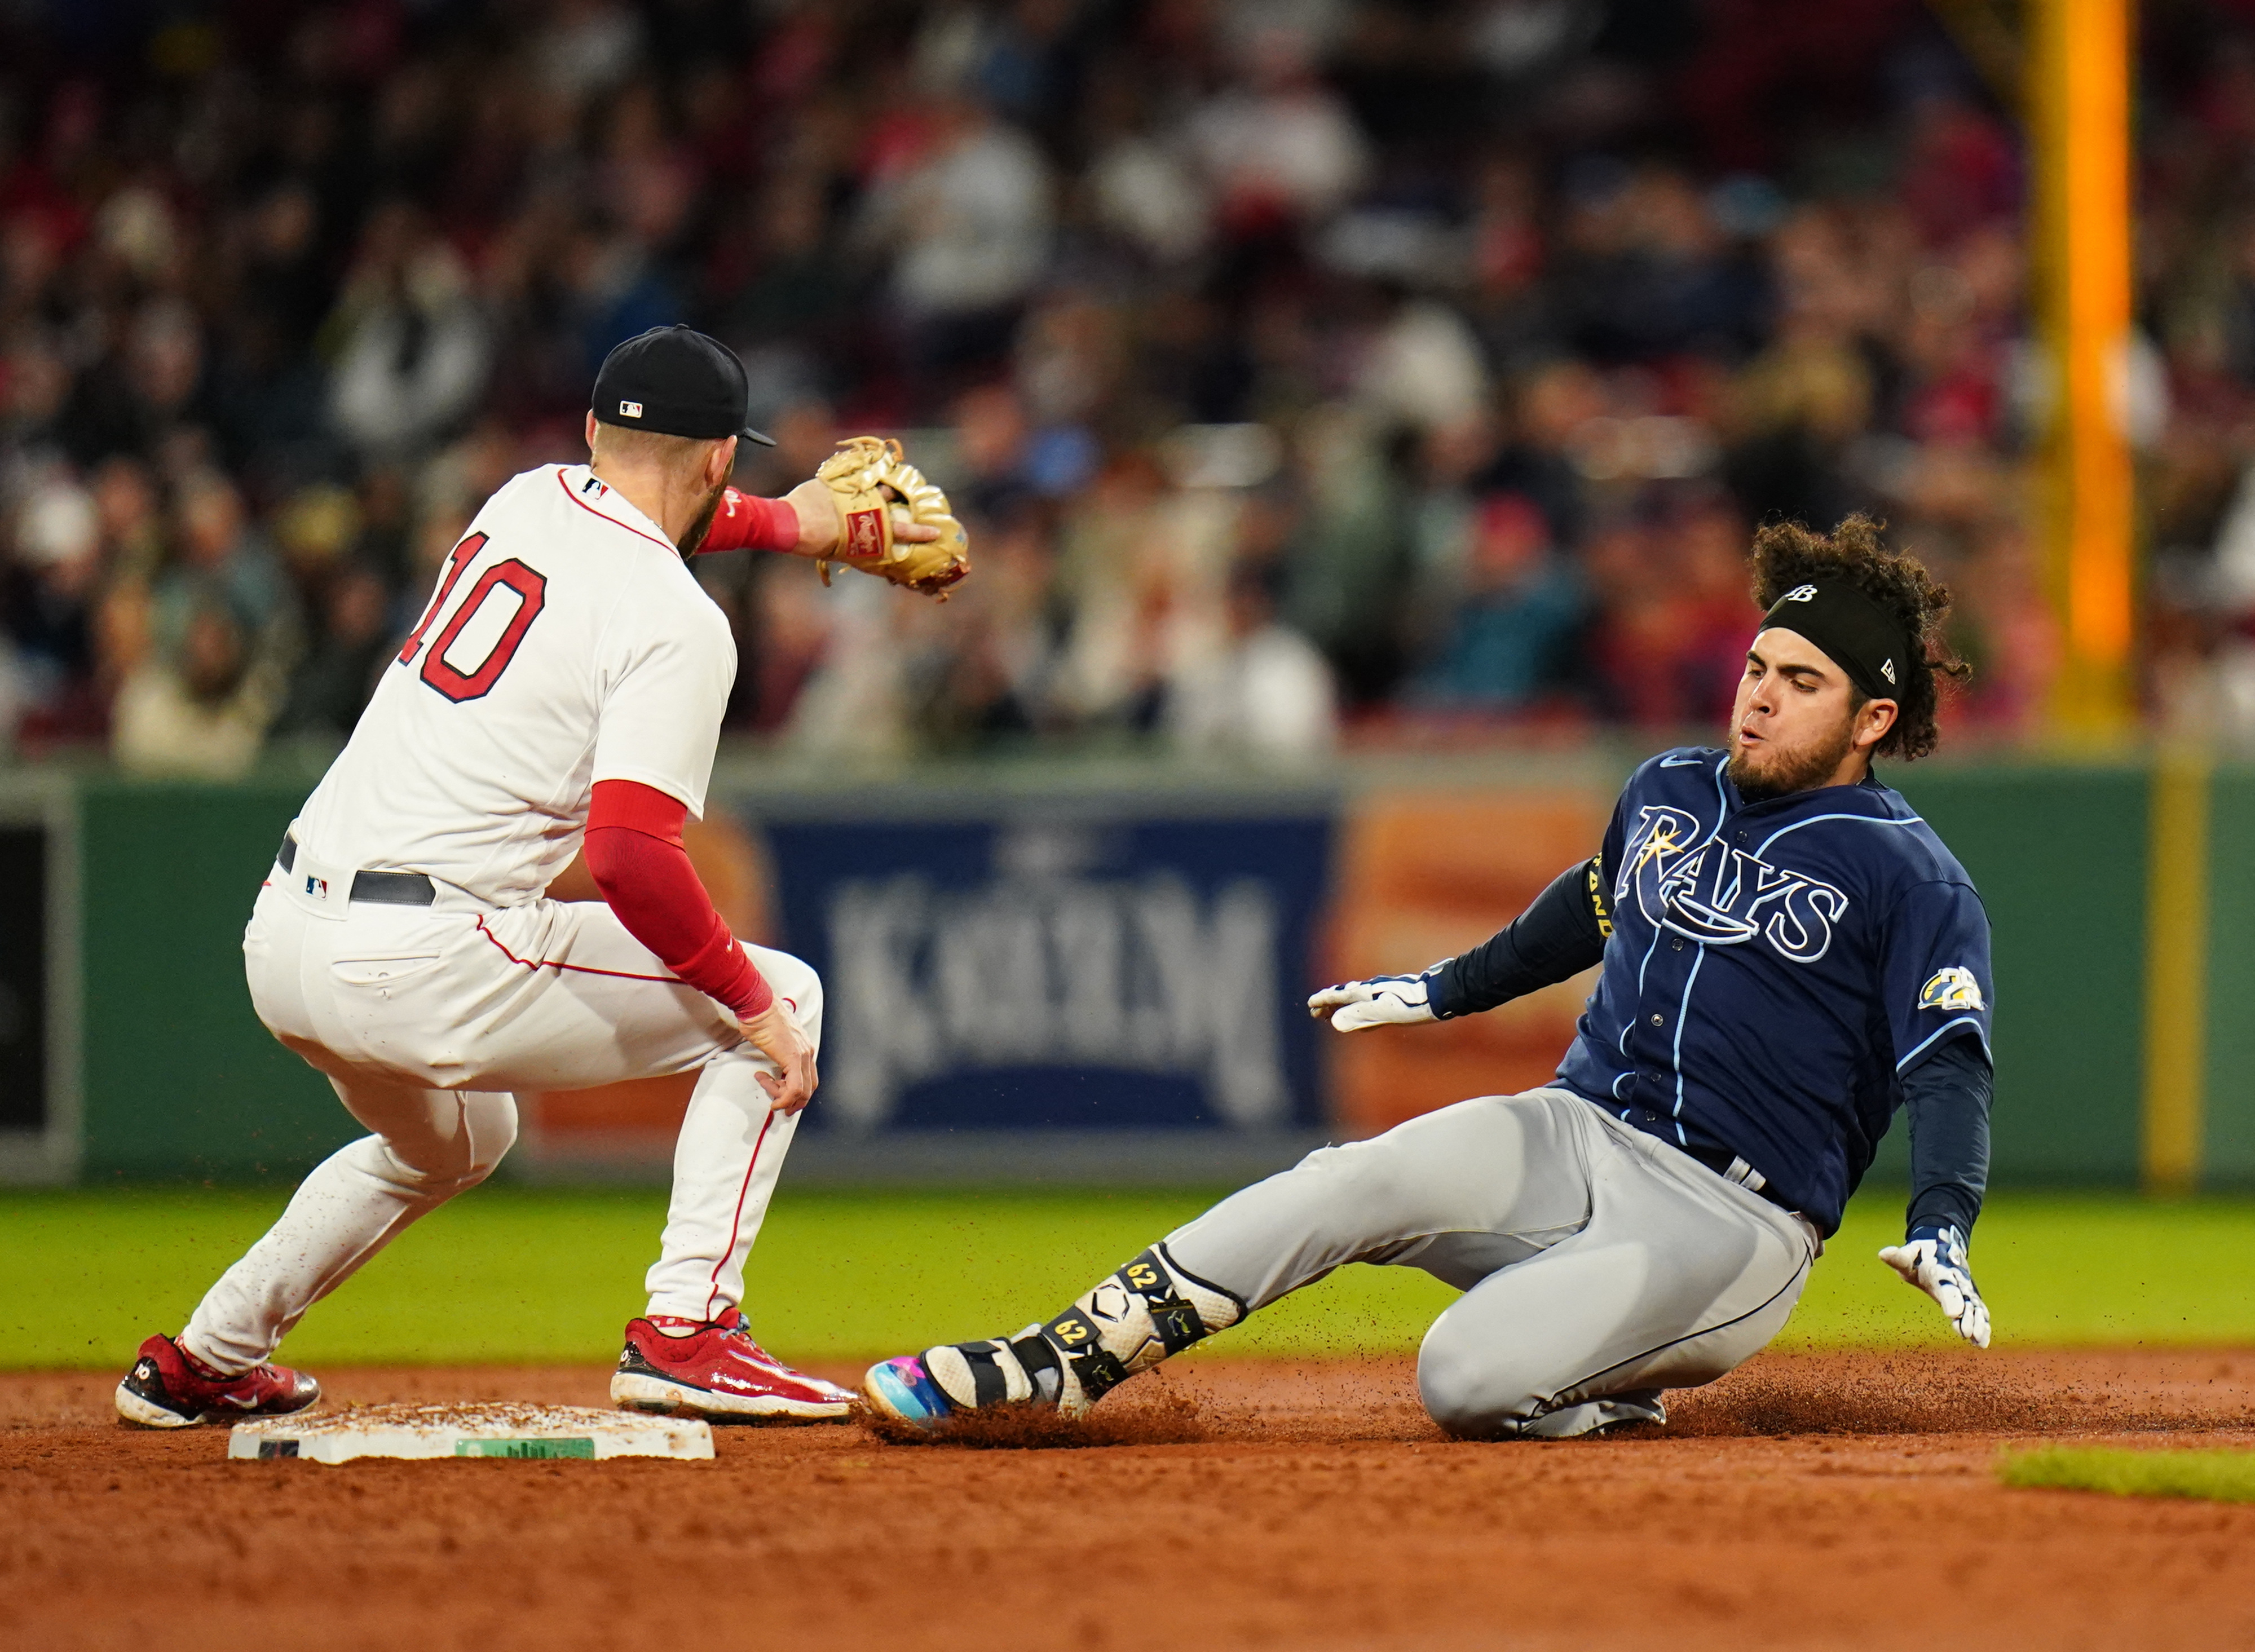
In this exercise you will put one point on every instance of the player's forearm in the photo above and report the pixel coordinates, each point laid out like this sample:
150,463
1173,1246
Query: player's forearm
1947,1096
1561,934
633,851
744,522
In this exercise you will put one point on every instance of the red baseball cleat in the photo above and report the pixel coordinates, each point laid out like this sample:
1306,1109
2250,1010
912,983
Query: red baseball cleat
168,1389
718,1372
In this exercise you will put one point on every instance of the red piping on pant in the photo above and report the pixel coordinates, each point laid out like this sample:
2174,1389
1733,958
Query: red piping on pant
744,1191
736,1220
584,969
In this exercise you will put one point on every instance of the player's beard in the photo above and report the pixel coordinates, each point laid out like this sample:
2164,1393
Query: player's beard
1788,772
695,538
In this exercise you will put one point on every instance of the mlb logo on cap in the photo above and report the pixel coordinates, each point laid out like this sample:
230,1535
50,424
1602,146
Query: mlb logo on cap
673,381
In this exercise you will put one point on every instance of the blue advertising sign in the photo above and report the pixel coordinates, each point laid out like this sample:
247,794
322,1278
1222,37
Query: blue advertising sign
1014,973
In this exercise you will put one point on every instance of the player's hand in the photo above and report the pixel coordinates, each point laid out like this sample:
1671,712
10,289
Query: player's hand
821,525
776,1036
1383,1001
1934,1259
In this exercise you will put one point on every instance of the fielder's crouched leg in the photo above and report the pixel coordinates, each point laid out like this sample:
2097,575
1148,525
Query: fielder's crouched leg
692,1350
427,1146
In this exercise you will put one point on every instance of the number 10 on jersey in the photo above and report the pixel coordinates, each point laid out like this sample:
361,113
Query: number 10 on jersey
531,589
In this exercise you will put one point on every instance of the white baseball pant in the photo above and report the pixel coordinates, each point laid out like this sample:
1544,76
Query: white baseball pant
428,1020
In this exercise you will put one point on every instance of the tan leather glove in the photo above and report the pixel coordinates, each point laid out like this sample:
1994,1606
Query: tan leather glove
868,477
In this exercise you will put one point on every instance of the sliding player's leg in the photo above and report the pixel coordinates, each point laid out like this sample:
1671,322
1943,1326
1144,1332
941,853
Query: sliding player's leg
1461,1192
1678,1277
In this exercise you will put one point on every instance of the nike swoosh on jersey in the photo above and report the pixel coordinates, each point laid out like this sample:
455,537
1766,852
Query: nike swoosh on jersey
1681,762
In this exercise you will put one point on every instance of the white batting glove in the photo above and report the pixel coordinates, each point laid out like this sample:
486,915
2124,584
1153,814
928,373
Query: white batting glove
1383,1001
1934,1259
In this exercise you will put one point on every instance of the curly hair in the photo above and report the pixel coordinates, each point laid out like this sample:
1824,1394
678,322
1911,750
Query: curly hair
1787,553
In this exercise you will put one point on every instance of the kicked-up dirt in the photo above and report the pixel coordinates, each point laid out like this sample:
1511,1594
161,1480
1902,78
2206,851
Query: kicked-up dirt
1843,1500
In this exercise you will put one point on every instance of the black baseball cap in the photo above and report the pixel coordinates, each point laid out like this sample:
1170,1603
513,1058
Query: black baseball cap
677,382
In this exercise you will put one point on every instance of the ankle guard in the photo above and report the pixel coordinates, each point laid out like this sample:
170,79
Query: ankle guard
973,1374
1147,1312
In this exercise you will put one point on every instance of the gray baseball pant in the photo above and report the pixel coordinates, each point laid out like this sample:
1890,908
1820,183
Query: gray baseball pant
1599,1265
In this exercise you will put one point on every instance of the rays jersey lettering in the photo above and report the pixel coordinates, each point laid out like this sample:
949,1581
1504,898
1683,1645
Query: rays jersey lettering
1774,968
1724,896
1662,836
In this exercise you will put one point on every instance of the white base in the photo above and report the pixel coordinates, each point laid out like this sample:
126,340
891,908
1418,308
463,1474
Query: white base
471,1431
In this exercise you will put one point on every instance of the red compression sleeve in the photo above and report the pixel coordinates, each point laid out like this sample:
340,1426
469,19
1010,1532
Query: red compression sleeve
745,522
634,849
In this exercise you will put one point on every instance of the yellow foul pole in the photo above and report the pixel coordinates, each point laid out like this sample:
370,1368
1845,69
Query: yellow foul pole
2077,64
2078,55
2173,1131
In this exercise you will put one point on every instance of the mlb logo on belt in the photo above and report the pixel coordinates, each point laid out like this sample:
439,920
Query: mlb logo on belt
865,535
317,888
632,409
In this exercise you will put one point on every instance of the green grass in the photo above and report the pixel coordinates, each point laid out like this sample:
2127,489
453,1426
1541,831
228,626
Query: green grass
517,1274
2225,1477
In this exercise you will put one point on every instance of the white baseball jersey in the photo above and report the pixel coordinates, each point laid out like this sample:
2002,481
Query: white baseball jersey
568,643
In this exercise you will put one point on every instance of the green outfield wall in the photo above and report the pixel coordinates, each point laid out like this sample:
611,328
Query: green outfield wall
2227,1103
2059,856
170,1076
180,1080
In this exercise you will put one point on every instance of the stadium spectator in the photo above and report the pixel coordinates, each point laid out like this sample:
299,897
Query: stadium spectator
1530,332
1506,607
1263,693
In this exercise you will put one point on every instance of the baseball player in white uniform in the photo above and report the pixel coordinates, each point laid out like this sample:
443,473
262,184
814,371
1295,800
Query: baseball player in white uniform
566,682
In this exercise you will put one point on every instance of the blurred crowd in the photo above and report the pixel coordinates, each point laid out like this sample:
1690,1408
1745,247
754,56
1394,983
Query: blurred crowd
1306,371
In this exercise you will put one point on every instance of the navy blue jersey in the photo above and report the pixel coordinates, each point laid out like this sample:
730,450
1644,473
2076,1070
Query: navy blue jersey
1774,968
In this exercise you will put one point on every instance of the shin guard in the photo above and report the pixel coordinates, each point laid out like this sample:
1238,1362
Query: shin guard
1147,1312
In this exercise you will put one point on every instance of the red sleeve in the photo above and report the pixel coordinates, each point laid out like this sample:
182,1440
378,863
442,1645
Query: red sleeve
744,523
634,849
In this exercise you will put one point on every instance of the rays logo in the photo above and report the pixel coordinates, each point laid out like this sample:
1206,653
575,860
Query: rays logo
1722,896
1954,988
1661,836
1725,897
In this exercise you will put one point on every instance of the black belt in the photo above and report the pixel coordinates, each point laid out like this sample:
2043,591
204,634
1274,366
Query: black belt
389,889
1723,1162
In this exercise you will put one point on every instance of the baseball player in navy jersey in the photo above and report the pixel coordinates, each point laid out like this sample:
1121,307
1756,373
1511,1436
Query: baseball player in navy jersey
562,693
1789,955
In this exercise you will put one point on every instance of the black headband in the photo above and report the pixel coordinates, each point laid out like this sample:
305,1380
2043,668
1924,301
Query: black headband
1860,637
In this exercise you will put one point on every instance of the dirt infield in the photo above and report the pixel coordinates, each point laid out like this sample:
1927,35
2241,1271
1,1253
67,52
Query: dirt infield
1833,1502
